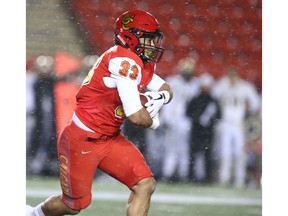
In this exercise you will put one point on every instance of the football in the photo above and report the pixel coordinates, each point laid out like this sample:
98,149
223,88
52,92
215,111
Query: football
144,99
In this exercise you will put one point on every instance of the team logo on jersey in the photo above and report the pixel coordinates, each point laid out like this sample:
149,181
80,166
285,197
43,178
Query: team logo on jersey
127,20
119,112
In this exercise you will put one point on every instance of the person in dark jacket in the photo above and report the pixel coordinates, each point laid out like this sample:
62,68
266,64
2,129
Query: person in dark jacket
204,111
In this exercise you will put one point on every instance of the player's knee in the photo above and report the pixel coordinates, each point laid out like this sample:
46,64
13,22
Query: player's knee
147,185
55,204
78,203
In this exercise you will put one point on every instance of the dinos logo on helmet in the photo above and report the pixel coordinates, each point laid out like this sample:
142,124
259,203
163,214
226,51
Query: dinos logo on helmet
127,20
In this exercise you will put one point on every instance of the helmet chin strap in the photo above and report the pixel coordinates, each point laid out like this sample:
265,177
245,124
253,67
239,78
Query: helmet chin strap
122,41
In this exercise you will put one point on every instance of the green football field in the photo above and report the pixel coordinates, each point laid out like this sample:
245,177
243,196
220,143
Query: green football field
110,197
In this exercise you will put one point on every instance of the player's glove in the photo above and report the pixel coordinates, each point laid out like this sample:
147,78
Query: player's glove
158,100
156,122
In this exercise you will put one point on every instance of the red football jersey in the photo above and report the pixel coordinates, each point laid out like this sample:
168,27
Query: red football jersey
110,92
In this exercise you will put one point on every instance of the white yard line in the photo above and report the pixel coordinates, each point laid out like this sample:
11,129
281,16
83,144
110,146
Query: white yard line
157,197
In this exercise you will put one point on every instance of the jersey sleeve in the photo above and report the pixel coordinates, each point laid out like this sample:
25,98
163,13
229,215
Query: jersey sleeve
155,83
126,74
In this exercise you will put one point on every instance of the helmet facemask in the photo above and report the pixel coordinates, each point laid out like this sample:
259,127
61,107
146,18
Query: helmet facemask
149,47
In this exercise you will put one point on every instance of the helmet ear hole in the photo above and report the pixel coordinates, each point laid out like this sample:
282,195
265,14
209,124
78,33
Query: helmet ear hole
127,37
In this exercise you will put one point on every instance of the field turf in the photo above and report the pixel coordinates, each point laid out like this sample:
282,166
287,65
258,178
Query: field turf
169,199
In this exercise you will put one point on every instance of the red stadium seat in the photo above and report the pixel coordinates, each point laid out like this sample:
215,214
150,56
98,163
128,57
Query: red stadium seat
217,33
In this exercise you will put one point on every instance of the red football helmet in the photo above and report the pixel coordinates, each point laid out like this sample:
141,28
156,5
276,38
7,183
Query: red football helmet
135,24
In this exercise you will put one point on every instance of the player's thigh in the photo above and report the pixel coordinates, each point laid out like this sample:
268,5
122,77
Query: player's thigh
125,162
78,160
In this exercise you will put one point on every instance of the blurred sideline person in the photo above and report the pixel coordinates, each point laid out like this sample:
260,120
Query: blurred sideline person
109,94
44,138
237,99
204,112
177,125
31,78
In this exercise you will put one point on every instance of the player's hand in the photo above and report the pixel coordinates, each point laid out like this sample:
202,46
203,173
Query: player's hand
156,103
156,122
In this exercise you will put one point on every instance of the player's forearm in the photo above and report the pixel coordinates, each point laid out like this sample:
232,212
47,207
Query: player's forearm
141,118
166,87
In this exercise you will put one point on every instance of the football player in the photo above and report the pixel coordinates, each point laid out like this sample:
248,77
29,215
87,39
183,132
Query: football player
238,99
108,95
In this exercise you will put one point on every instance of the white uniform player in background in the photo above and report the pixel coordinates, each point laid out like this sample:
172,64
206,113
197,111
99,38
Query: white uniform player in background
237,99
31,78
177,124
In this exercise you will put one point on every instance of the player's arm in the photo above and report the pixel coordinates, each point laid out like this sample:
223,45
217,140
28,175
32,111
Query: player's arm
157,84
134,110
126,85
160,92
166,87
141,118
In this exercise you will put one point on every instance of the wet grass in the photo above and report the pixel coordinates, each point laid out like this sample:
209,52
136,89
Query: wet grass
112,207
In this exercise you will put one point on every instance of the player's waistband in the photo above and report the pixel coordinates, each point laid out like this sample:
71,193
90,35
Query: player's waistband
91,135
80,124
